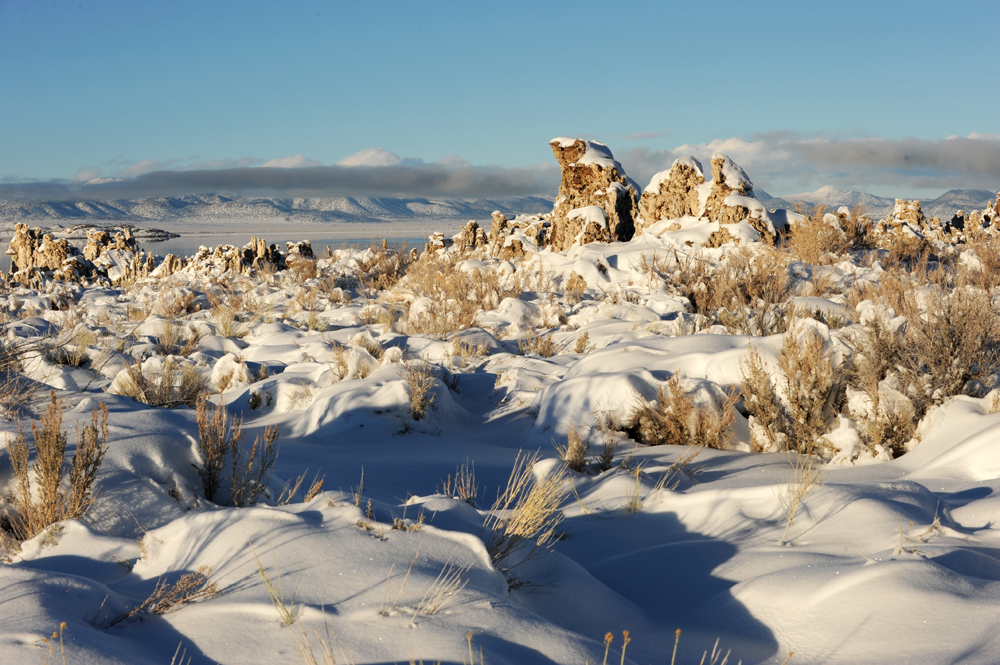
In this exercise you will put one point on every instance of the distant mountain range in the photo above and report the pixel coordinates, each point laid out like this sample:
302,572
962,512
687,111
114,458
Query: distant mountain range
944,206
223,207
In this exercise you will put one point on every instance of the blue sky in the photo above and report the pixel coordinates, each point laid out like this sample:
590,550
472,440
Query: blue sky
858,95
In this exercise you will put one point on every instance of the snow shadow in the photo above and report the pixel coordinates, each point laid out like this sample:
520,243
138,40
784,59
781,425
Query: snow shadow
86,595
617,550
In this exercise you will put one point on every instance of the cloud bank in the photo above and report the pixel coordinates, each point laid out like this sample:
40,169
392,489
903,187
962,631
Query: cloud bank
785,160
780,162
452,178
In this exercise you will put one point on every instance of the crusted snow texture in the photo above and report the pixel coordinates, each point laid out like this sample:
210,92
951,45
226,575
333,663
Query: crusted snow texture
591,177
671,194
727,178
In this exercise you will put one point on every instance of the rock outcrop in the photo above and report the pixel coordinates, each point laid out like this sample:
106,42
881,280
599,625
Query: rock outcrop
673,193
35,254
727,179
471,237
591,177
510,240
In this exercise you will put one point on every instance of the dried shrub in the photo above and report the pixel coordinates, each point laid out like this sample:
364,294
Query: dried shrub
420,379
582,344
382,267
673,418
175,305
812,388
574,453
164,388
533,342
815,241
54,504
986,275
952,339
304,269
906,250
251,467
221,441
575,287
768,420
858,228
457,295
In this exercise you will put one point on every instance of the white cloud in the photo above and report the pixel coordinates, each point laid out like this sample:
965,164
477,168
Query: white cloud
294,162
371,157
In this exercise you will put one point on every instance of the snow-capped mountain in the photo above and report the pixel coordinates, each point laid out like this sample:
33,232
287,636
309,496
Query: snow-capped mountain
944,206
832,197
221,206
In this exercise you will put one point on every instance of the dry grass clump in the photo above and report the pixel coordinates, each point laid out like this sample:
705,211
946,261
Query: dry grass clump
575,287
53,505
304,269
465,349
163,388
674,418
75,354
817,242
533,342
276,588
170,338
463,485
574,453
525,513
175,305
806,477
190,588
420,379
221,440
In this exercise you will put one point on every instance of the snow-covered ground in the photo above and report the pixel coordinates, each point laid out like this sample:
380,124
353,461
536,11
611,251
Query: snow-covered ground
882,560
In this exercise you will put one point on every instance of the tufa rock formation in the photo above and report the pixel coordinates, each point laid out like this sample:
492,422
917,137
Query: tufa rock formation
38,255
591,177
672,194
727,179
472,237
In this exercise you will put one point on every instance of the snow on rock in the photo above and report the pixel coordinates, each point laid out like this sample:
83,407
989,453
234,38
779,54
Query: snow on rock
591,177
673,193
727,178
